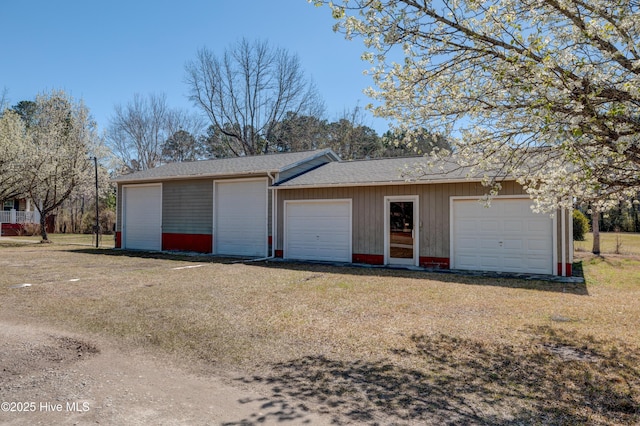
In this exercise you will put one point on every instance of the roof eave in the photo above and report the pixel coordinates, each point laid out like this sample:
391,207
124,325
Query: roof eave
383,183
197,176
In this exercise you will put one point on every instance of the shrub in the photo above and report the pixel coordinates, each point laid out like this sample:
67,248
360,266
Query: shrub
580,225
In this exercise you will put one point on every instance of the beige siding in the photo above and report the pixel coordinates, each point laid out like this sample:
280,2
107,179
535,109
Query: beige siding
368,211
187,206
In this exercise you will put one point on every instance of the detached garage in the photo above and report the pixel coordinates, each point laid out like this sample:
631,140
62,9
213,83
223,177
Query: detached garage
311,206
434,221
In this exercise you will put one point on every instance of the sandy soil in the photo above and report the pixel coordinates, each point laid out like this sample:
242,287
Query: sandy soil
49,377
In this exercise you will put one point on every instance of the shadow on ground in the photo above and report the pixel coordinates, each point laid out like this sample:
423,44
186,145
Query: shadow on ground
556,379
444,276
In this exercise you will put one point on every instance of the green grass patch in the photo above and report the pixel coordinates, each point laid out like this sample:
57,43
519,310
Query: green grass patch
105,241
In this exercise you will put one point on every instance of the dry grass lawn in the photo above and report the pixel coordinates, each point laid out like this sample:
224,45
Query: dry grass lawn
364,344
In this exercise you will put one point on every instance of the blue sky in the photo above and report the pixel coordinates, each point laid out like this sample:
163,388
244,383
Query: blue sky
104,52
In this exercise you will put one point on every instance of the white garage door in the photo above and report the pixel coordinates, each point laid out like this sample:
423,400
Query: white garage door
318,230
241,218
506,237
142,217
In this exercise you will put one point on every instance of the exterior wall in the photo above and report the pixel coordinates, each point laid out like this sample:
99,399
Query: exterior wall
187,206
368,218
187,215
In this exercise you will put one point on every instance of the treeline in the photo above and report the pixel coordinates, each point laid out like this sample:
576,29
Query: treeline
623,218
251,99
147,133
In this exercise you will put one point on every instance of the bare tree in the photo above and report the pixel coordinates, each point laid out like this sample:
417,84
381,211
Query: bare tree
4,99
247,91
138,130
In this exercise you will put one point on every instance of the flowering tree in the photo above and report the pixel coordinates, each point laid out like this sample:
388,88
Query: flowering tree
547,91
60,139
12,149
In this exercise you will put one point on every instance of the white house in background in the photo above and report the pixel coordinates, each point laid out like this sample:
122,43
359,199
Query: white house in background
15,213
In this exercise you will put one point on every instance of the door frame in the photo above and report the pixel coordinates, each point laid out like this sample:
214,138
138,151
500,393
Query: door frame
387,227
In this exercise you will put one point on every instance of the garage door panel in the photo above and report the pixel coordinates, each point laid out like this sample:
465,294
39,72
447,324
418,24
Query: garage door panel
467,243
488,225
537,245
467,225
490,262
513,244
507,237
513,226
537,226
318,230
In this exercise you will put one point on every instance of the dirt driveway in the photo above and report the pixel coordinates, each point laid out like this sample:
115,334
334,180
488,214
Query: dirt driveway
48,377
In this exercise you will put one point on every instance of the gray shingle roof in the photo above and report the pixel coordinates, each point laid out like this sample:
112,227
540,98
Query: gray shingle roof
260,164
379,171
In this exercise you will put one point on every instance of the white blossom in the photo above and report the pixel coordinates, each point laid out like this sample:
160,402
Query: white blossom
555,81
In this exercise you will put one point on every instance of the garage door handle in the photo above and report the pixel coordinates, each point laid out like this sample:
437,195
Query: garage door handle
500,242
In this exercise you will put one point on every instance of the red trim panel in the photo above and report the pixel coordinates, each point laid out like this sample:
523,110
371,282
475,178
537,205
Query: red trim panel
371,259
118,240
200,243
569,269
435,262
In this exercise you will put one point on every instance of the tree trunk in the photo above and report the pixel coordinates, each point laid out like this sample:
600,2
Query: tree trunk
595,226
43,227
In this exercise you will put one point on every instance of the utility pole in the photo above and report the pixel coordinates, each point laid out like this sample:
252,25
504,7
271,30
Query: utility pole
95,162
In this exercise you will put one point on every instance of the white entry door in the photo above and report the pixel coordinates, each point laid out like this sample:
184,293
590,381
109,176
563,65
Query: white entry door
240,227
142,217
318,230
505,237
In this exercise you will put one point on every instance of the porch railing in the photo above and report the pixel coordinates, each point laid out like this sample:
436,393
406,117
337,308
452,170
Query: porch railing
14,216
